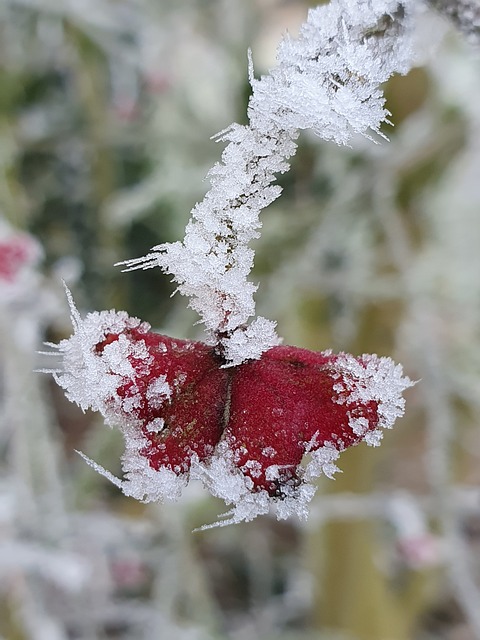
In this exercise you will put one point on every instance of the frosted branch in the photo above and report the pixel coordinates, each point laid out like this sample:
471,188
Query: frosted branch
326,80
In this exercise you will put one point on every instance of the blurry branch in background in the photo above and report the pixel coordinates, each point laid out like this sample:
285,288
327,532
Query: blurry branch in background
440,420
465,15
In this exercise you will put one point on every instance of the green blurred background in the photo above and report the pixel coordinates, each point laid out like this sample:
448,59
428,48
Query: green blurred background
106,113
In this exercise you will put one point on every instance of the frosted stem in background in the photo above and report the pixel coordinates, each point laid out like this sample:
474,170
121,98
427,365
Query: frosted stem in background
33,452
440,423
16,422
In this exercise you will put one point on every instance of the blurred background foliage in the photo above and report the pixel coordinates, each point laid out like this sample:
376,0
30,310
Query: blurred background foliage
107,108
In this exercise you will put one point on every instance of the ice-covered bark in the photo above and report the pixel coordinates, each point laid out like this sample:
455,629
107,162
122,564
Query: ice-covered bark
327,80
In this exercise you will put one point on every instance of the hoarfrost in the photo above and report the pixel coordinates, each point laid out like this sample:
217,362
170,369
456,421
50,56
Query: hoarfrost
374,438
227,482
269,452
158,391
322,462
87,379
92,382
327,80
156,425
141,481
371,378
249,344
359,426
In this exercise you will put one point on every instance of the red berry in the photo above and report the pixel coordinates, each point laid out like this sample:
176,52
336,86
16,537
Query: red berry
177,399
284,405
243,430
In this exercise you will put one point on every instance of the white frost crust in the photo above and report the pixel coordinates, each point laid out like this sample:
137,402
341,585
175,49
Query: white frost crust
250,343
371,379
89,380
327,80
140,480
322,462
158,391
226,481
